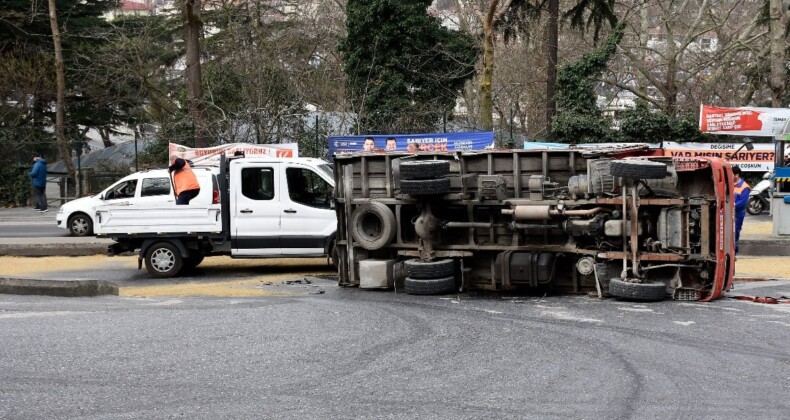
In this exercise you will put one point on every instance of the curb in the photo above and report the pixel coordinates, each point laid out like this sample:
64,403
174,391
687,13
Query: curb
52,250
764,248
62,288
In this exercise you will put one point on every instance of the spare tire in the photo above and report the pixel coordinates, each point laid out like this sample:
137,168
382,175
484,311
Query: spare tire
425,186
372,225
424,169
638,169
429,286
418,269
647,292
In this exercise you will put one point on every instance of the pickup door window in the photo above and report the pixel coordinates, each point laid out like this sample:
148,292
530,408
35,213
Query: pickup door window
121,190
255,210
307,219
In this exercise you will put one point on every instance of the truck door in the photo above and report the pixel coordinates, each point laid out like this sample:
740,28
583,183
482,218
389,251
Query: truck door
307,219
255,209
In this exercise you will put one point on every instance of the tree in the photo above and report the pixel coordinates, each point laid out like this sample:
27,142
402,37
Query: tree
579,120
63,148
404,70
194,79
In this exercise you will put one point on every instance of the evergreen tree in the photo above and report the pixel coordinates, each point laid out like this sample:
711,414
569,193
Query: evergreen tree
404,69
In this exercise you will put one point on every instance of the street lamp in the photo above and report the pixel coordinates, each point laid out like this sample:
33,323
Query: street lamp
747,143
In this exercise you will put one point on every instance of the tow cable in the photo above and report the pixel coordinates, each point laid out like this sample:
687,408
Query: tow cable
762,299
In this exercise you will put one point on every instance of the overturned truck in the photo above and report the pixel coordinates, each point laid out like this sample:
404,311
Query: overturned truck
621,222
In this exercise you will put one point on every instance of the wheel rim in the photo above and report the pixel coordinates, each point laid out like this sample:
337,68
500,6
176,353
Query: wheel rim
79,226
371,226
162,260
756,206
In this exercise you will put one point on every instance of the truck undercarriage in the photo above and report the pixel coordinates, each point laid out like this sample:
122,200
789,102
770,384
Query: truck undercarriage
620,222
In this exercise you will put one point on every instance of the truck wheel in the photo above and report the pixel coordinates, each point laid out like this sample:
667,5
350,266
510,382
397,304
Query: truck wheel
638,169
755,206
430,286
424,169
418,269
372,225
81,225
163,260
648,292
425,186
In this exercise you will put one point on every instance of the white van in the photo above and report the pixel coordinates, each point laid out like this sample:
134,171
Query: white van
144,188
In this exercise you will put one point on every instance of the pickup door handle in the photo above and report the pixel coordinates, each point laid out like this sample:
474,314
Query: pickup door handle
246,211
290,211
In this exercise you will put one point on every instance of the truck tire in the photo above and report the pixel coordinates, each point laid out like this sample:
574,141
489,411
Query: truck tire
418,269
638,169
647,292
425,186
430,286
80,224
163,260
372,225
424,169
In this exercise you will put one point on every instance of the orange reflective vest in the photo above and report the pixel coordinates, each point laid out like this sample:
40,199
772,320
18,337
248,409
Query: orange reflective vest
185,180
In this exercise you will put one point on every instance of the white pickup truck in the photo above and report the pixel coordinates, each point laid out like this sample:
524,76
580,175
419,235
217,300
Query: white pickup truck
267,208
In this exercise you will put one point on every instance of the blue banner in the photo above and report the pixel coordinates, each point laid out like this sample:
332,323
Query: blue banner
412,143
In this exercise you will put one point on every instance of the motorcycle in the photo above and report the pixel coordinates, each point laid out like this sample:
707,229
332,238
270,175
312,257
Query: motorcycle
758,197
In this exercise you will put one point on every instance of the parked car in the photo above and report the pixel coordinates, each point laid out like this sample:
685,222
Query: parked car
144,188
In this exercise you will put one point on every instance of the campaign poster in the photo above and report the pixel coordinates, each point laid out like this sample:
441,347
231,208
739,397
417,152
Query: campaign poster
761,159
411,143
743,121
210,156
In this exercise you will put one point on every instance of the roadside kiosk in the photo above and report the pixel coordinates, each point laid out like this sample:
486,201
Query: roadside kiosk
780,199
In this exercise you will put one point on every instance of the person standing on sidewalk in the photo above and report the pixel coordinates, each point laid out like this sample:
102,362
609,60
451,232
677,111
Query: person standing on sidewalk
38,178
742,191
184,180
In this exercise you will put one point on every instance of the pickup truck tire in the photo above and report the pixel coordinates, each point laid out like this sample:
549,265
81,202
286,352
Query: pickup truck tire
647,292
430,286
424,169
638,169
372,225
80,224
418,269
163,260
425,186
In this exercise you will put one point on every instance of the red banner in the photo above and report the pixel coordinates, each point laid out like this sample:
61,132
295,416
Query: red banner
744,121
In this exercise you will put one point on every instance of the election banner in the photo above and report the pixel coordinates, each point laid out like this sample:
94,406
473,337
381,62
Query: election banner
761,159
209,156
412,143
743,121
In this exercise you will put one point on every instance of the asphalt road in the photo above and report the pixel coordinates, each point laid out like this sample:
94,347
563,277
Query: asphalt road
349,353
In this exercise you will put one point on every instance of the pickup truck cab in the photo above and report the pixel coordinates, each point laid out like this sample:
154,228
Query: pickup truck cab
140,189
267,208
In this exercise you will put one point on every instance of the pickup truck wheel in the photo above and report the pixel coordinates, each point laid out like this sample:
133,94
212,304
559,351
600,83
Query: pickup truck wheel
648,292
163,260
638,169
418,269
430,286
424,169
372,225
425,186
81,225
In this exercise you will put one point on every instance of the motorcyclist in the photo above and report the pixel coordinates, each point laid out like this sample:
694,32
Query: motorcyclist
742,191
